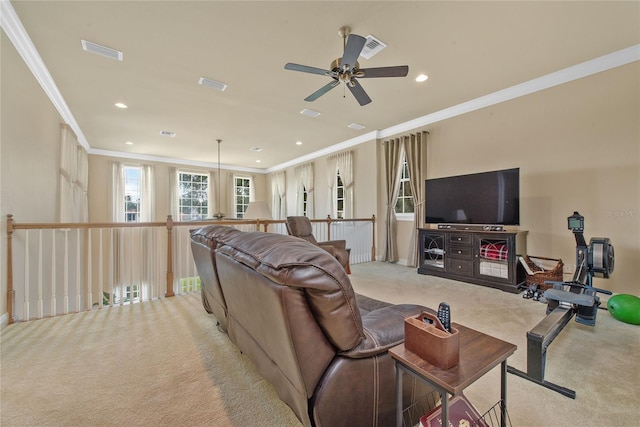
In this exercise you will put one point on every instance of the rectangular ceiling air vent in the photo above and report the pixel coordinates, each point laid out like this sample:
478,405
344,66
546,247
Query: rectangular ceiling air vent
167,133
356,126
371,47
212,83
102,50
309,113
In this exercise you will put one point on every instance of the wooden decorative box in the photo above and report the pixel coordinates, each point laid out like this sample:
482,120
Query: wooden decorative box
425,336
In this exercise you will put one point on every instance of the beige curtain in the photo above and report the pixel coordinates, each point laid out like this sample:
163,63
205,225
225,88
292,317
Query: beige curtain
345,167
414,151
392,156
279,195
332,162
74,172
343,163
304,180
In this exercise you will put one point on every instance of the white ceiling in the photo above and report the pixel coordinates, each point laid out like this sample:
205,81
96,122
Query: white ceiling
468,50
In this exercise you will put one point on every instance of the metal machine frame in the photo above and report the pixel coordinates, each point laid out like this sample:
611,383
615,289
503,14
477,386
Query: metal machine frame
566,299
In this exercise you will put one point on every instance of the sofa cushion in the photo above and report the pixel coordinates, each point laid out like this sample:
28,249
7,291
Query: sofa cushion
290,261
203,244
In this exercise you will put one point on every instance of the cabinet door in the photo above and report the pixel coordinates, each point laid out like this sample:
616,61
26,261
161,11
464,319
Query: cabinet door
494,256
432,250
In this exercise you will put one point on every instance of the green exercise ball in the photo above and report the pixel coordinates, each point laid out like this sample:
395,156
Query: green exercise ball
625,308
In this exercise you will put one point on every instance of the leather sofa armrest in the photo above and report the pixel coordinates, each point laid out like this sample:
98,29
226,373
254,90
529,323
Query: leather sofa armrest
383,329
329,248
340,244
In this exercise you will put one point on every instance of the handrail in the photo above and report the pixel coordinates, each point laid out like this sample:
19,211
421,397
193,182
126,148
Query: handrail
170,224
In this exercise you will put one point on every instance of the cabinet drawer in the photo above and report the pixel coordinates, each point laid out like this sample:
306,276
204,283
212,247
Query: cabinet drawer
463,252
459,267
463,239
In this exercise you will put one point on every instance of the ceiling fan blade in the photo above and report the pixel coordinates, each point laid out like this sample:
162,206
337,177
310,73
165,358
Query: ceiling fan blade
324,89
352,50
306,69
359,93
398,71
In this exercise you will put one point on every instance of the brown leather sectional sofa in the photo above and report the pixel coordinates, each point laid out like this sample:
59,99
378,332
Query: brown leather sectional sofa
289,306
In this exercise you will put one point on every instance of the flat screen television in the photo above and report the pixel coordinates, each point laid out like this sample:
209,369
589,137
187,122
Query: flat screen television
486,198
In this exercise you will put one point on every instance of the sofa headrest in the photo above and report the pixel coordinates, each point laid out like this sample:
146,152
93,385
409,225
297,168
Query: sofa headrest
293,262
211,234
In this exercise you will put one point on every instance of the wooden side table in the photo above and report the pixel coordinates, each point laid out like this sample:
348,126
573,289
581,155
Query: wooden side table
479,353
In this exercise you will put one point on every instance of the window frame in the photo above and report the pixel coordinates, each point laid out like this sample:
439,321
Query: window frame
204,204
339,185
236,195
127,181
404,180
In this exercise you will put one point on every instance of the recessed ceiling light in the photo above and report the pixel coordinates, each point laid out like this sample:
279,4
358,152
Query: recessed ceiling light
121,105
256,149
298,142
129,143
422,78
167,133
258,161
356,126
309,113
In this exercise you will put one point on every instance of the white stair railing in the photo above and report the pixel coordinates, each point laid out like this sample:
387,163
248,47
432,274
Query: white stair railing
56,269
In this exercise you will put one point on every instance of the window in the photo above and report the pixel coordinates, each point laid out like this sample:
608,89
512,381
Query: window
242,191
193,199
131,193
339,196
125,295
404,203
305,196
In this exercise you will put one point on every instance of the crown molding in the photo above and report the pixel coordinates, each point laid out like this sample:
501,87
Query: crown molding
159,159
14,29
584,69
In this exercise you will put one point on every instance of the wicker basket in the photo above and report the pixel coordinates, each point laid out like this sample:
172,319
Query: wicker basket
542,274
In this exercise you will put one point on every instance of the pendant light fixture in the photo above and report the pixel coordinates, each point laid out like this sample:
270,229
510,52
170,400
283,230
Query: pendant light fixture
218,215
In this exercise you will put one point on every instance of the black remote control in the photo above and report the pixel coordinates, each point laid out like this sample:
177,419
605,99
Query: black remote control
444,315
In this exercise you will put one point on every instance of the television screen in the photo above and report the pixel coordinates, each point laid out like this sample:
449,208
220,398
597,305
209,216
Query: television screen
491,198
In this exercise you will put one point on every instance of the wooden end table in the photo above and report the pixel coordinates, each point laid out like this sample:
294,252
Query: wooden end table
479,353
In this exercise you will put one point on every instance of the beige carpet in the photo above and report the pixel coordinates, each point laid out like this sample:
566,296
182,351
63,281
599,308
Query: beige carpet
163,363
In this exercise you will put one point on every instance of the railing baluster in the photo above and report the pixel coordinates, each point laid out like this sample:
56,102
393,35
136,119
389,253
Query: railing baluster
27,285
54,302
78,265
88,242
100,270
40,307
65,275
112,269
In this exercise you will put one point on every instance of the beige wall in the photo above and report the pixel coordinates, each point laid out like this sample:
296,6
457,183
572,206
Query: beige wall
578,148
29,155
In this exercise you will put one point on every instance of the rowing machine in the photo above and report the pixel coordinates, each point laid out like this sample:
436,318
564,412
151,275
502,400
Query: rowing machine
577,297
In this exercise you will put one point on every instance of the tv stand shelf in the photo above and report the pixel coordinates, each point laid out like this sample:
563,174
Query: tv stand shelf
487,258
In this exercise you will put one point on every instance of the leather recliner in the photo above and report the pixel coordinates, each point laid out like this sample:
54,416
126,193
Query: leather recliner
300,226
289,306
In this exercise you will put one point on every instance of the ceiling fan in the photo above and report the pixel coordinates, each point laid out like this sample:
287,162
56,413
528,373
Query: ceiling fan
347,70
